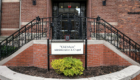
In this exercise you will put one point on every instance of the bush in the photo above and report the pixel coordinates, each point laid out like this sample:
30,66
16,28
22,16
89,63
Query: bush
68,66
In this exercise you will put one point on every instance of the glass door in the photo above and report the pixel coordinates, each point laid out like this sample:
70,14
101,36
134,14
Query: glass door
68,23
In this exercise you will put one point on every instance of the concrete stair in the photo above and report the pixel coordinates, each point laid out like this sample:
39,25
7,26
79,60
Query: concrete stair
2,38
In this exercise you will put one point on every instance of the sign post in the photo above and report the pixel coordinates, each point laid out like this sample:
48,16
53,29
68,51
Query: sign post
48,54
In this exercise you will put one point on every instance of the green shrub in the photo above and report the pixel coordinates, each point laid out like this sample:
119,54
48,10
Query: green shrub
68,66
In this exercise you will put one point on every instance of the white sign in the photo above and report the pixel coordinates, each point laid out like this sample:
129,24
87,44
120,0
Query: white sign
67,48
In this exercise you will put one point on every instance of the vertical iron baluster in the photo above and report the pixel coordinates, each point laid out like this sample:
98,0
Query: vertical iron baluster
39,30
86,29
6,49
42,27
25,35
99,31
19,39
117,39
104,32
0,52
49,27
86,53
111,34
28,34
123,42
90,29
36,29
12,43
135,52
129,47
94,27
31,31
22,38
48,54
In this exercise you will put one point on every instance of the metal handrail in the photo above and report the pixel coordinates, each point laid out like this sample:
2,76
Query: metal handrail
35,29
96,27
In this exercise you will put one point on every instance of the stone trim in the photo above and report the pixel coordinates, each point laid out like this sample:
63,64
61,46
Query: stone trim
125,74
112,23
10,0
24,23
11,29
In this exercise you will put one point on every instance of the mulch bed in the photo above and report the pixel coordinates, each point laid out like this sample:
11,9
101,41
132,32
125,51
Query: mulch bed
90,72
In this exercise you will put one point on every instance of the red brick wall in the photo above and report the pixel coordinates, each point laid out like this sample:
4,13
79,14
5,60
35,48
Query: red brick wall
137,77
25,58
30,11
117,11
98,55
7,32
129,23
10,15
108,12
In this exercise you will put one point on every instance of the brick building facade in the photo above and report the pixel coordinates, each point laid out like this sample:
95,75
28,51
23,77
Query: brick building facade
26,51
17,13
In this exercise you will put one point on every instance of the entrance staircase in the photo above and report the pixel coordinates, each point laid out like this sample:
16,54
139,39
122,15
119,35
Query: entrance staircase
95,28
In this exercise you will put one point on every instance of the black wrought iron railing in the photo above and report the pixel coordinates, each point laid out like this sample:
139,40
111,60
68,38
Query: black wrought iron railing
81,28
102,30
36,29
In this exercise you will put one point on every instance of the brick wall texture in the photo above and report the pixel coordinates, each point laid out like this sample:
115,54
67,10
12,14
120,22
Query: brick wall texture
98,55
137,77
10,15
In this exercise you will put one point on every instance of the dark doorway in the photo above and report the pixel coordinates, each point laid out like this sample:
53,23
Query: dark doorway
68,19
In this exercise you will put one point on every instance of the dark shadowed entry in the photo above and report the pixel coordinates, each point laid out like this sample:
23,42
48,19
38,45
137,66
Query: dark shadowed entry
68,20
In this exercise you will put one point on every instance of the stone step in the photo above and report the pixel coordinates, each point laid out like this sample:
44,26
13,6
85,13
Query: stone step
2,38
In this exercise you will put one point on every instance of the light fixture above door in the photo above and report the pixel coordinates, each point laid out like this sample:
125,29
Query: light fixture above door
34,2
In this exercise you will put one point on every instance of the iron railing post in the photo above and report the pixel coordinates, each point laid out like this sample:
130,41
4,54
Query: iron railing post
42,27
135,51
86,53
6,48
97,26
117,40
94,29
129,47
31,31
86,29
36,28
123,42
0,51
104,32
19,39
48,54
12,42
25,34
111,35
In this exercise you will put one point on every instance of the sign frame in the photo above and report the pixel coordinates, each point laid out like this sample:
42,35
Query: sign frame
71,52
